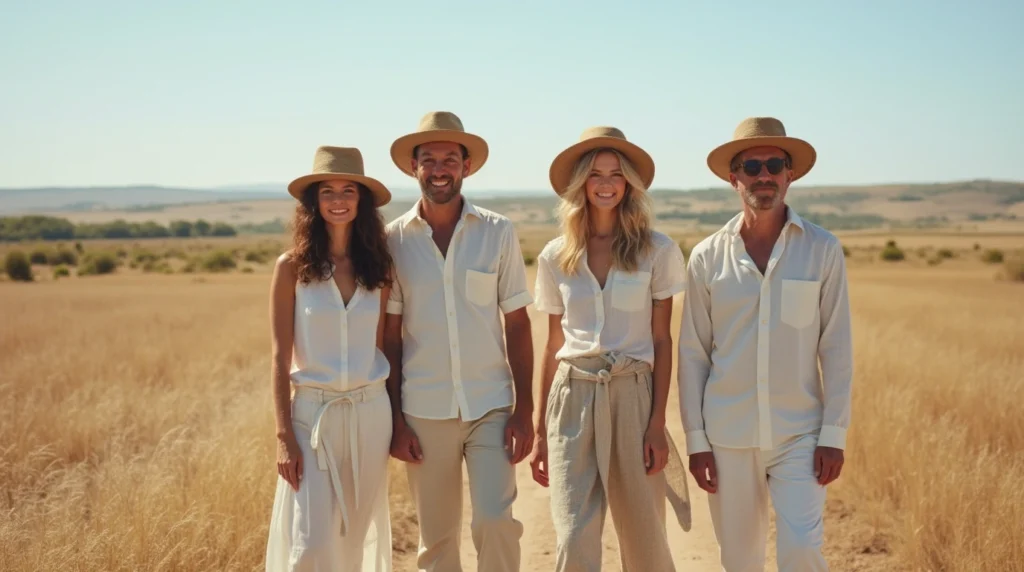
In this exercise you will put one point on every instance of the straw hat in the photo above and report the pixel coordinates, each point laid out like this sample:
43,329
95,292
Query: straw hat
339,163
601,137
758,132
439,126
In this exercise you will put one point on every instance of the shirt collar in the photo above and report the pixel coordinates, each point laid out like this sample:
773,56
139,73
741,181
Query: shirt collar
734,225
413,214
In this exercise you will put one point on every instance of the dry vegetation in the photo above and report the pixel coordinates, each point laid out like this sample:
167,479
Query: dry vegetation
138,432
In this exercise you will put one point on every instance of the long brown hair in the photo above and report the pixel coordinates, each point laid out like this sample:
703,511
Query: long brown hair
368,246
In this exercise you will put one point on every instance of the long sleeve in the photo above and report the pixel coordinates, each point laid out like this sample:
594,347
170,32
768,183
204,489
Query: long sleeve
695,342
835,351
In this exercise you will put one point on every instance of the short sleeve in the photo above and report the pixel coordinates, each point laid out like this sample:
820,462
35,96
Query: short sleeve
546,291
512,291
668,272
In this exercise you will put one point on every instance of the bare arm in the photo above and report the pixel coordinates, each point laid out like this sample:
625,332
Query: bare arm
282,320
519,345
391,345
556,339
661,324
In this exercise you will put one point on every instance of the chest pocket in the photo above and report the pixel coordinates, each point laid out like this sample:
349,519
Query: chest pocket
799,302
481,287
630,291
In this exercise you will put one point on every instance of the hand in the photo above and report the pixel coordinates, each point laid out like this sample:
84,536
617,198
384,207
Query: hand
405,446
702,467
828,463
289,460
539,459
655,448
519,435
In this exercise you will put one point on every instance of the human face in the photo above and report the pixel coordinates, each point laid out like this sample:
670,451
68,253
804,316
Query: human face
763,191
606,185
338,200
440,168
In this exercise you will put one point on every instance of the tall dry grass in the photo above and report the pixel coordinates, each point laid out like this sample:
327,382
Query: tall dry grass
137,425
936,452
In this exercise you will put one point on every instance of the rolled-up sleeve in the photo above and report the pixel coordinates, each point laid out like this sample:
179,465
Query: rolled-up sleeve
835,351
669,272
549,297
695,341
512,289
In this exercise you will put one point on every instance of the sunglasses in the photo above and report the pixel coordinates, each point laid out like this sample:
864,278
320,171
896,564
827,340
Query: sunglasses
752,167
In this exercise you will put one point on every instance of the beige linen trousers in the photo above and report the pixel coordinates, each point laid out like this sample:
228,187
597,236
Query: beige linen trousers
597,415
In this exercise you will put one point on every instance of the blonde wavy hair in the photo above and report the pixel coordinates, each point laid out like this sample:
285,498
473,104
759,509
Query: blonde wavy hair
632,237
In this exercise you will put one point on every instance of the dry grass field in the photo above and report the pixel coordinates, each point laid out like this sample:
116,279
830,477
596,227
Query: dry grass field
137,426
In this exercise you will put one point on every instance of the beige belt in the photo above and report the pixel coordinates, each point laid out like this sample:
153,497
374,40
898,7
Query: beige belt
603,370
324,457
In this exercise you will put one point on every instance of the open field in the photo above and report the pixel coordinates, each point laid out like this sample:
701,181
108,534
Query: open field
138,430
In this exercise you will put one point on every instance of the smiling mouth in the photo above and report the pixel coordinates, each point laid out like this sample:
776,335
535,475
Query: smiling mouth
606,195
440,183
338,211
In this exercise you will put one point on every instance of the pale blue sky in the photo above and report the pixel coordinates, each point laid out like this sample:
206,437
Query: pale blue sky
207,93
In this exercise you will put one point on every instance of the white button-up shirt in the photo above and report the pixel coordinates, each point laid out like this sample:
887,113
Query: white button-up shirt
335,346
454,361
617,317
750,345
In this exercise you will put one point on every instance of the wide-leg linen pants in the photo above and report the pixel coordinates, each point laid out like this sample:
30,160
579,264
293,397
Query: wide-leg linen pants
597,416
338,520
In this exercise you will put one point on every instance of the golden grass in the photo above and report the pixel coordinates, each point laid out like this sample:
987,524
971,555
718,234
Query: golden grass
138,431
137,424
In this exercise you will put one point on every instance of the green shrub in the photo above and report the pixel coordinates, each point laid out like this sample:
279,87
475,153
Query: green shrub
39,256
257,256
945,253
97,263
528,259
993,256
61,271
218,261
892,253
18,267
65,256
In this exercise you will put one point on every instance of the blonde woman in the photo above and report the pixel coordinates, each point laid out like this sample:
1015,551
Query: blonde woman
607,284
332,410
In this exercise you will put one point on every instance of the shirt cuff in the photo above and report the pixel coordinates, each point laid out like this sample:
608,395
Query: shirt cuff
697,442
832,436
668,293
394,307
549,308
520,300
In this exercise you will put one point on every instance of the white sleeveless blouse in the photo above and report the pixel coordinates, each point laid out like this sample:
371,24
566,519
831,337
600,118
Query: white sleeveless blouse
335,346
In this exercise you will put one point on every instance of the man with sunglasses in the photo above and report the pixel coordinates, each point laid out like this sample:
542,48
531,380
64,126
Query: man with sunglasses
767,306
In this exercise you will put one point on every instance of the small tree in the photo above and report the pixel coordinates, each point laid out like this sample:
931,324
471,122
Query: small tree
18,266
892,253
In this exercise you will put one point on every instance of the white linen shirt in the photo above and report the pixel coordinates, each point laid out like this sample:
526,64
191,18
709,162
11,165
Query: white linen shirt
454,361
617,317
335,347
750,346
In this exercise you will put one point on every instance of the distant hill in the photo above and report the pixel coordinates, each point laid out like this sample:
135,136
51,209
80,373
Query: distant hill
989,204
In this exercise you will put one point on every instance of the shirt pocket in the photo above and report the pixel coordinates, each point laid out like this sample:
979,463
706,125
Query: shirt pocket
481,287
799,302
630,291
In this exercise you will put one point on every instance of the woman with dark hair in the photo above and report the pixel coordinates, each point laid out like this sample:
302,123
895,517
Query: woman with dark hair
332,409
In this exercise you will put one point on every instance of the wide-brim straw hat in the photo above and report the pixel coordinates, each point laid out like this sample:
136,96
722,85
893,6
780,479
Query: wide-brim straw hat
760,132
601,137
439,126
339,163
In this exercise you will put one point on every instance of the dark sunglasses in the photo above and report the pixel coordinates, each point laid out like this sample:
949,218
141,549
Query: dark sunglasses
752,167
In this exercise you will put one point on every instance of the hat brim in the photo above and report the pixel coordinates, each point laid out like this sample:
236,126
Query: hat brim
381,194
801,152
560,173
401,149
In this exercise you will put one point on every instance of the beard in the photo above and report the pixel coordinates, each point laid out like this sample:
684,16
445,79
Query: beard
762,202
443,195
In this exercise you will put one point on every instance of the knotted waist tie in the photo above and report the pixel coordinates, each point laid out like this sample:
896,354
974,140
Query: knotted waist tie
603,370
324,456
